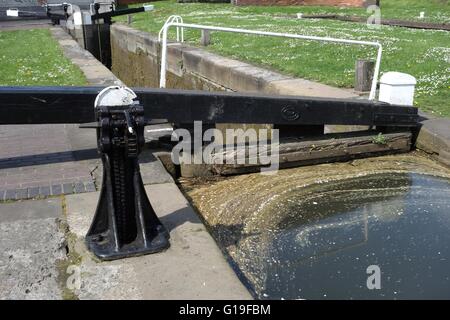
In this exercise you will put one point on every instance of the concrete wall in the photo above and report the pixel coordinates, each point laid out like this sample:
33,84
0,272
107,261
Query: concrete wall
136,61
434,138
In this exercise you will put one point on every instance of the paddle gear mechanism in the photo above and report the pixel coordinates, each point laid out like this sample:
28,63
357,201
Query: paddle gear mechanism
125,223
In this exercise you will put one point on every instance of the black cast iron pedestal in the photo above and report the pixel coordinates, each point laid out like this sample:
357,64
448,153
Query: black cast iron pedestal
125,223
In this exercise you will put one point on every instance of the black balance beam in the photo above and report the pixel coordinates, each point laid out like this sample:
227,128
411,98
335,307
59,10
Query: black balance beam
41,105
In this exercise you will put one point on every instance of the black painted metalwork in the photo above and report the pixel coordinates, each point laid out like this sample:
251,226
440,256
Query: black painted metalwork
125,223
59,13
113,13
101,46
34,105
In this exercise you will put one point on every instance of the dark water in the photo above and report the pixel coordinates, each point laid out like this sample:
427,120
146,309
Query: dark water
325,238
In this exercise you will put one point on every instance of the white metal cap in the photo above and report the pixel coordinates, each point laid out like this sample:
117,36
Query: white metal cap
149,7
397,79
115,96
13,12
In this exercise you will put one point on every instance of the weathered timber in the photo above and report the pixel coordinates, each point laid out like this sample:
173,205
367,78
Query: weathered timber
205,39
322,149
363,74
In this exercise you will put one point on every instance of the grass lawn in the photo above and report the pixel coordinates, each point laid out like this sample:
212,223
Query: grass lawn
435,10
33,57
423,53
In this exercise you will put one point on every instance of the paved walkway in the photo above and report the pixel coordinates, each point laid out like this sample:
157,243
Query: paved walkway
192,268
31,244
43,160
42,250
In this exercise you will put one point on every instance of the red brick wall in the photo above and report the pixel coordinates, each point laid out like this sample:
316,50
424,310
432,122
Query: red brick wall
353,3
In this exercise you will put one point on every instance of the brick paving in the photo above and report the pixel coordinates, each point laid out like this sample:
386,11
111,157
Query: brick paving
43,160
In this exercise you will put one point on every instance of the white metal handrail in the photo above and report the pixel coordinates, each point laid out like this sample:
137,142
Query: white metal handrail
173,19
168,24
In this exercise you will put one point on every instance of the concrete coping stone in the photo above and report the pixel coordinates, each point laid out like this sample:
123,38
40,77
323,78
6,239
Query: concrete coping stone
226,72
94,71
434,138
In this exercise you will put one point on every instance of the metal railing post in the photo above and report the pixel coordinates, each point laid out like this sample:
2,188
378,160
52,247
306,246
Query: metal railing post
169,24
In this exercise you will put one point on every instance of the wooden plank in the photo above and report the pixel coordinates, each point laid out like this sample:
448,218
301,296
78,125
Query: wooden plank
205,39
340,147
364,74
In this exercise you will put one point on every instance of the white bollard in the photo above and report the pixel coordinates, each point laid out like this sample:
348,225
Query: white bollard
397,88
